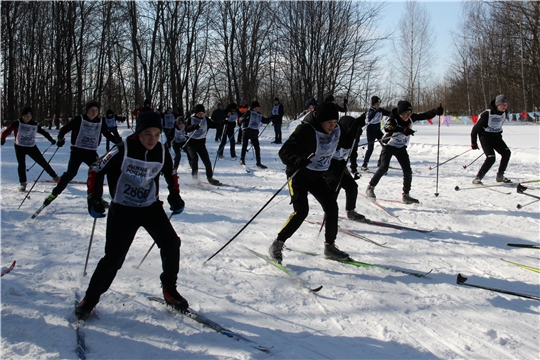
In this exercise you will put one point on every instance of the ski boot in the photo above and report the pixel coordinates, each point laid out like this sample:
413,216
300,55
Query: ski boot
332,252
370,192
84,308
353,215
276,250
174,299
261,166
407,199
22,187
215,182
49,199
502,179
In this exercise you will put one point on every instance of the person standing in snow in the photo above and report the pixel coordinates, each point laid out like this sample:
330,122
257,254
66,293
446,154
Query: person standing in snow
110,120
231,117
250,126
168,120
218,116
25,130
399,130
489,129
176,137
133,169
338,176
242,108
197,129
86,131
373,130
277,120
318,135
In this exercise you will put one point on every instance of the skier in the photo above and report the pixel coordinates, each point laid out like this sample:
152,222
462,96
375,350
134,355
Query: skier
197,129
231,117
398,130
176,138
218,116
250,126
133,169
489,129
338,176
373,130
168,120
24,130
318,134
277,120
110,120
241,110
86,131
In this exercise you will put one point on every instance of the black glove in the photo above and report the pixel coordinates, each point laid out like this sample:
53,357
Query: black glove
53,141
302,162
196,126
440,110
96,207
379,109
117,140
409,131
176,202
61,142
3,141
474,146
345,101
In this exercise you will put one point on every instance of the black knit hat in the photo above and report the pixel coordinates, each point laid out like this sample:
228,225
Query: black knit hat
500,99
231,106
26,110
374,100
325,112
199,108
255,104
403,106
91,104
276,99
109,112
147,119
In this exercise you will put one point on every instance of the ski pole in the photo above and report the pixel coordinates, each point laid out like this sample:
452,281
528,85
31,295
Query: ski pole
466,166
466,151
519,206
220,147
43,153
438,148
521,190
89,246
258,212
28,193
151,247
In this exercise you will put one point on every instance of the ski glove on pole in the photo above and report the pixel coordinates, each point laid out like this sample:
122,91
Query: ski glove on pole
176,202
60,142
96,208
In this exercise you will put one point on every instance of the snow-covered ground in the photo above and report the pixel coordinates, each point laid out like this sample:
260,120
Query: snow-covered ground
359,313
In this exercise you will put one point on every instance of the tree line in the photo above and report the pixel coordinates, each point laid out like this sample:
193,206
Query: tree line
56,55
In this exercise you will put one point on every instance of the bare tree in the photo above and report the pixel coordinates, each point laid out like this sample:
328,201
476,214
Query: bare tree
412,56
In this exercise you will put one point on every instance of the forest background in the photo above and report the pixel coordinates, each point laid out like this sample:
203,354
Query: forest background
56,55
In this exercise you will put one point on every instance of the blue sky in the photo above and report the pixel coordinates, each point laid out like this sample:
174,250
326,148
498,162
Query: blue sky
445,18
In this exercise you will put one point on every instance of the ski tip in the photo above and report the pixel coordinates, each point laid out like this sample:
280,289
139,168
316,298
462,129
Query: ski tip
316,289
460,279
456,188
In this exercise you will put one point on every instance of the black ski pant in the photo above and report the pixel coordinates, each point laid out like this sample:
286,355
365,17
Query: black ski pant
219,132
228,135
490,144
76,158
298,189
338,175
122,225
373,133
277,121
253,136
196,148
402,157
35,154
177,148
